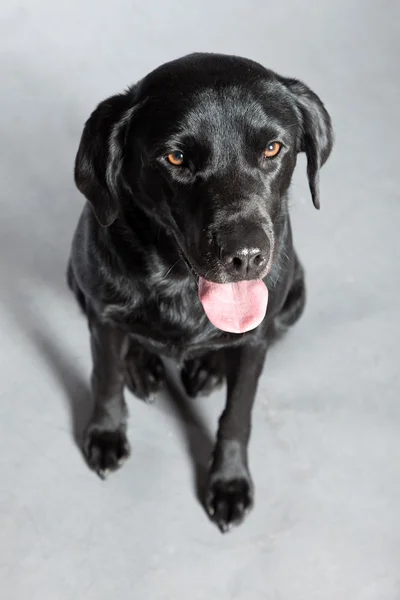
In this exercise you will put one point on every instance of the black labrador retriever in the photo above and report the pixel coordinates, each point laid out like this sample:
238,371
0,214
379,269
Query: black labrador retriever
185,246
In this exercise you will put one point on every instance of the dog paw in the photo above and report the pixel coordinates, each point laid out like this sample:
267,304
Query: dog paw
200,376
228,501
145,374
105,450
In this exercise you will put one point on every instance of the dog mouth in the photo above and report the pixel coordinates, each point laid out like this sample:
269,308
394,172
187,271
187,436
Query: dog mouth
234,307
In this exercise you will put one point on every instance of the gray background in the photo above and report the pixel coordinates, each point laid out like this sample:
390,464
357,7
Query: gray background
325,452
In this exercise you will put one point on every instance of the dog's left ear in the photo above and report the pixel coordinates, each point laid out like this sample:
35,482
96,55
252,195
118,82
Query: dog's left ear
316,131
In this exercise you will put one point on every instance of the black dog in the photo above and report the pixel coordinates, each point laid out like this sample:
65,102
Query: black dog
185,233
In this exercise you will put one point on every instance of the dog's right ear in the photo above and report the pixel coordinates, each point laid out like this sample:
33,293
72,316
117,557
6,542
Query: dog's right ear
99,159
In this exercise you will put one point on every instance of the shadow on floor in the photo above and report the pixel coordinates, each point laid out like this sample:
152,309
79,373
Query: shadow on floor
75,386
198,438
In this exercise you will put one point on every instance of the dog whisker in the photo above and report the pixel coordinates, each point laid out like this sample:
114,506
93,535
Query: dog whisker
171,268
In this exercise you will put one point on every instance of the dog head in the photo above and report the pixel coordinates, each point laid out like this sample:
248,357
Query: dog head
206,145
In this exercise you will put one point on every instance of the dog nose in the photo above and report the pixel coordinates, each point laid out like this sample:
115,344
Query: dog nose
246,261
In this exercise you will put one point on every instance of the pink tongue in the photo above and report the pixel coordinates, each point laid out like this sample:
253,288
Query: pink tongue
234,307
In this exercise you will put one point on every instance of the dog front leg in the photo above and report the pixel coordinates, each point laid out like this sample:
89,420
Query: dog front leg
106,445
230,489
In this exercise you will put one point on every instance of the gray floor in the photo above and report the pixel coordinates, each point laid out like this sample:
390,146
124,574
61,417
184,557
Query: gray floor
325,452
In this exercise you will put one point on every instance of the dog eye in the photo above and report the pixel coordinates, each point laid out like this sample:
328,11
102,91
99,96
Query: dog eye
272,149
176,158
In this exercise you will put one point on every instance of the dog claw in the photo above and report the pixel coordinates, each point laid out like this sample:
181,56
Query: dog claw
103,473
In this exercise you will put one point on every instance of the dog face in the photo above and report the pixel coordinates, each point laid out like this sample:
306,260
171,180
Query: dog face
206,146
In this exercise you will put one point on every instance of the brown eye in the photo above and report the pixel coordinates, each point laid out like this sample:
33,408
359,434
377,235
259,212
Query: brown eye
176,158
272,149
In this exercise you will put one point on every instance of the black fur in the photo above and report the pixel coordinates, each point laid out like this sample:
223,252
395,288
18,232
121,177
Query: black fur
150,229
